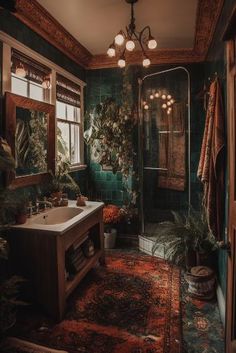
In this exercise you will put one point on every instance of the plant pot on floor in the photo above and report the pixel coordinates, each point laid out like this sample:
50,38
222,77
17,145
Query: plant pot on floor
110,238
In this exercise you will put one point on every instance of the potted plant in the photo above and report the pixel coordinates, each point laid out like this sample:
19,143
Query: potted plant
9,292
61,179
187,239
111,216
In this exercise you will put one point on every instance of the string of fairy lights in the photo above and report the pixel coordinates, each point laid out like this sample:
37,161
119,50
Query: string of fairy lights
167,100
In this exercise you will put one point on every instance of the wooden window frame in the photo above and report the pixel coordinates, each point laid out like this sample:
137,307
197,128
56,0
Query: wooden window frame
10,43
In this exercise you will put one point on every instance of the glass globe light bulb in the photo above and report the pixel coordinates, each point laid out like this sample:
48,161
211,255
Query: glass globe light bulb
168,112
172,101
152,43
157,94
111,52
163,96
146,62
164,106
20,70
119,39
151,96
169,96
46,84
121,63
146,107
130,45
168,103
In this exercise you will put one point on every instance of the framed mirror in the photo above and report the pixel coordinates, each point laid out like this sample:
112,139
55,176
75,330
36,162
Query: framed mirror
30,131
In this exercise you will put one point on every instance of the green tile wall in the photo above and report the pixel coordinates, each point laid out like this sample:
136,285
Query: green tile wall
104,185
108,83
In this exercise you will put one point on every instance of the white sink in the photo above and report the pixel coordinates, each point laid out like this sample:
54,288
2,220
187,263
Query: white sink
57,215
60,219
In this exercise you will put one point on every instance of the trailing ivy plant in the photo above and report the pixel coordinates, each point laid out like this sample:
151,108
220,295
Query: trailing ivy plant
111,128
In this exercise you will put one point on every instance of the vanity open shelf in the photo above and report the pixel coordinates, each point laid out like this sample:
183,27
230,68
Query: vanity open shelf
38,252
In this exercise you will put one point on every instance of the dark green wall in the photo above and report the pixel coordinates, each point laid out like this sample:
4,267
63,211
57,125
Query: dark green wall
16,29
216,62
101,84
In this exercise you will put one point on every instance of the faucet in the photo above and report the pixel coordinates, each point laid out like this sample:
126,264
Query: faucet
44,202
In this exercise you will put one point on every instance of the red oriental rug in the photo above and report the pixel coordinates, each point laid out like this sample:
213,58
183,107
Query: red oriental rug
130,306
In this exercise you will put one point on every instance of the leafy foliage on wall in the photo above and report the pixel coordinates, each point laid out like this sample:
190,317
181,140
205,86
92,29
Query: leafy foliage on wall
111,131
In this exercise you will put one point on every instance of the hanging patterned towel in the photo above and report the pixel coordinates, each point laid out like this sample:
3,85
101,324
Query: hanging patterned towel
211,165
172,151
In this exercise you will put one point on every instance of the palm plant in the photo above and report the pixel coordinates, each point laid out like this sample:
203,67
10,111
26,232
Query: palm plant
186,234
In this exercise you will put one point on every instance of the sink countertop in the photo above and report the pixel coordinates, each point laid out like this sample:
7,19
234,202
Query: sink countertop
60,228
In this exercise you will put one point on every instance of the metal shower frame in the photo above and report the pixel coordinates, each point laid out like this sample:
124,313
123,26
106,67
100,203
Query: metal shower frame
140,137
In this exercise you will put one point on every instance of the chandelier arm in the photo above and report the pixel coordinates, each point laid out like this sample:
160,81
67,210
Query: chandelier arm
144,29
140,43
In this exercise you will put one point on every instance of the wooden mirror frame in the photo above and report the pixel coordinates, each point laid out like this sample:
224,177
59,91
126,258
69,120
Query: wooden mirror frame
12,102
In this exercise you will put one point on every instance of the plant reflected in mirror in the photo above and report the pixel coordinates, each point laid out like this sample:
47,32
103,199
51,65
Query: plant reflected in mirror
30,142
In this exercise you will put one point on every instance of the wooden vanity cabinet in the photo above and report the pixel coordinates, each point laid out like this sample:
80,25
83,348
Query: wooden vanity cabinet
39,256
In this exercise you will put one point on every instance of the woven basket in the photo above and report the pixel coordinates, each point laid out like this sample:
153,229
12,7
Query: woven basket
201,282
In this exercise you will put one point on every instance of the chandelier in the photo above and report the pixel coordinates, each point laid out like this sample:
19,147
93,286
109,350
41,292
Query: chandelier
126,41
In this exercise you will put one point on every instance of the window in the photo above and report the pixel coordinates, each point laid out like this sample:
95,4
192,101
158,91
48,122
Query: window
69,125
29,78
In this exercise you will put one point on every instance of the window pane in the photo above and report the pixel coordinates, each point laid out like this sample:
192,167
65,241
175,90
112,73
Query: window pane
75,144
19,86
61,110
77,115
70,112
36,92
63,140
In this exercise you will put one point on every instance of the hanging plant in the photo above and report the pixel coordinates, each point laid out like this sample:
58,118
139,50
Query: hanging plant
111,127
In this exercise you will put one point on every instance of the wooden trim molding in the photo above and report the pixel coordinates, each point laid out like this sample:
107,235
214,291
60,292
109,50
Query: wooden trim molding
38,19
35,16
208,14
161,56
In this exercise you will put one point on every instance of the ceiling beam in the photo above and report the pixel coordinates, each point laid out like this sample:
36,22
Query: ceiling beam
39,20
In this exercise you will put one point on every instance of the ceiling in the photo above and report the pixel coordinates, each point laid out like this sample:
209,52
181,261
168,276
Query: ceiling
94,23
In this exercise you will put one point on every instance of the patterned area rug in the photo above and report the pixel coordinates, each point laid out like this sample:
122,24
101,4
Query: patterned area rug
203,331
15,345
130,306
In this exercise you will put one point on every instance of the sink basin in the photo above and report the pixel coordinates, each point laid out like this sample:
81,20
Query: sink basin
57,215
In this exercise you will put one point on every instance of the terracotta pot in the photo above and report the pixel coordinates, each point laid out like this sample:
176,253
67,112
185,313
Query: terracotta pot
21,218
56,194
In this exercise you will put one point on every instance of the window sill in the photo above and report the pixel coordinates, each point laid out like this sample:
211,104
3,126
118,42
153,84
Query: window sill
76,168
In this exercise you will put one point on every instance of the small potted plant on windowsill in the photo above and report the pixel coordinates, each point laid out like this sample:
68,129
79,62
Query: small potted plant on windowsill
111,217
61,180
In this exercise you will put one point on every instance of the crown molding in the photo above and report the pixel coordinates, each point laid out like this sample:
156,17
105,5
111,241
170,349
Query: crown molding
39,20
208,14
35,16
161,56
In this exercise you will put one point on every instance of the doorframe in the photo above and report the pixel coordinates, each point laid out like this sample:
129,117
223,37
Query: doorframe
229,37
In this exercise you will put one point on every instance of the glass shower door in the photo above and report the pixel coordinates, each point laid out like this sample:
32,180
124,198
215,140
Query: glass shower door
165,152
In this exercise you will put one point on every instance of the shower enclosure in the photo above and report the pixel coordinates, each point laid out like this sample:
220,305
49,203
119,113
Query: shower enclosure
164,146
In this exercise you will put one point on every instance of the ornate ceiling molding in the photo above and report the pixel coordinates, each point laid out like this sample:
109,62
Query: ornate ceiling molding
208,14
38,19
